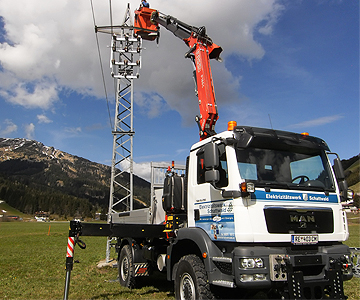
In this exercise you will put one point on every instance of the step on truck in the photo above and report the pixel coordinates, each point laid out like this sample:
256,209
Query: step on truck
254,210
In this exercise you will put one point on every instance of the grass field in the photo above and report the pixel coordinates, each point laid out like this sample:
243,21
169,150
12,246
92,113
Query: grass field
32,266
10,211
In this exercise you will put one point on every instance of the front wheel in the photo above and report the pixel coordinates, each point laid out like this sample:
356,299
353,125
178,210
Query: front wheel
191,280
126,267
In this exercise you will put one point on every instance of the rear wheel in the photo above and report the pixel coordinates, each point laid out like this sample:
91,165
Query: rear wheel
126,267
191,280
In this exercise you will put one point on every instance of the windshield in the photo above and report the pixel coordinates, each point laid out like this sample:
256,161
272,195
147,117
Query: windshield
284,169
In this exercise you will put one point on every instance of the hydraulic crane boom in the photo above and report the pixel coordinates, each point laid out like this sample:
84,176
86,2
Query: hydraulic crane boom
202,49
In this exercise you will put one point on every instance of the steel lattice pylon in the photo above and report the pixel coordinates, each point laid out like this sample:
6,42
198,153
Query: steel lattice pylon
125,65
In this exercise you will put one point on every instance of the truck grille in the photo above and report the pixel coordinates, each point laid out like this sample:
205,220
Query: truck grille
224,267
299,220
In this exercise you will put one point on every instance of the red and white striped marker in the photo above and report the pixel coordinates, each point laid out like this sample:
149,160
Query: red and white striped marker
70,247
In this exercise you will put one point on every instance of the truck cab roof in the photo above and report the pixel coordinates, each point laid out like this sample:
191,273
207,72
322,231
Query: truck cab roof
247,136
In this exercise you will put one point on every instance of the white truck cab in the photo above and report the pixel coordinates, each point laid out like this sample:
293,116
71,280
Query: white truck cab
265,186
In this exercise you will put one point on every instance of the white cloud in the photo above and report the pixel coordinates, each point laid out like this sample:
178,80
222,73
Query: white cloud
150,104
43,119
95,126
35,95
10,127
50,46
142,170
29,131
181,151
317,122
271,18
73,130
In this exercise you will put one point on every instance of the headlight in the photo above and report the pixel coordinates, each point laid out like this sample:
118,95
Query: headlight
247,263
259,263
252,277
251,263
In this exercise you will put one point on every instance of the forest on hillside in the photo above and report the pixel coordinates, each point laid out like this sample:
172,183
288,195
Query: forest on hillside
82,188
30,200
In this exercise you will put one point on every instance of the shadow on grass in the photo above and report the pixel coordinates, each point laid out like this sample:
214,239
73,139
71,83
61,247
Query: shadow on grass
151,286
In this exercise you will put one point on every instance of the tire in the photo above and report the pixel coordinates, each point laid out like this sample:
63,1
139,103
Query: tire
191,280
126,267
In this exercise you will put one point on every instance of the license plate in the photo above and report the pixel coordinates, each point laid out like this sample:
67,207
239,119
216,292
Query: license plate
301,239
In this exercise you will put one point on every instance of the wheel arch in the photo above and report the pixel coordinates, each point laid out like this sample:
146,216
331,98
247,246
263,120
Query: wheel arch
191,241
122,242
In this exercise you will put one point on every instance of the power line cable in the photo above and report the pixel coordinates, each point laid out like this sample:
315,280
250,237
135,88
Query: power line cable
112,34
101,65
111,20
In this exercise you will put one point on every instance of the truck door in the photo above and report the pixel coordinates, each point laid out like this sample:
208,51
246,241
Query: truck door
213,213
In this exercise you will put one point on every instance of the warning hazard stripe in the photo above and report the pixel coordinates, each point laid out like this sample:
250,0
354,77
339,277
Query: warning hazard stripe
141,269
70,247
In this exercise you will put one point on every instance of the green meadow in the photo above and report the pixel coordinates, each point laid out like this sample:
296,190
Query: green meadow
32,266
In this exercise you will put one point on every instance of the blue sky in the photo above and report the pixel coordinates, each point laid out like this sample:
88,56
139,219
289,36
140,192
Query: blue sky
295,63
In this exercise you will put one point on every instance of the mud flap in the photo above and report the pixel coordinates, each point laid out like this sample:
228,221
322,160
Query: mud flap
141,269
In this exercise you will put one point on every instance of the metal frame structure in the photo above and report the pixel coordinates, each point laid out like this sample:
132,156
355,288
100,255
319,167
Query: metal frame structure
125,66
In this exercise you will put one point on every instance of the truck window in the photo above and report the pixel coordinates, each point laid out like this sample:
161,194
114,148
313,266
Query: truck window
310,167
269,167
248,171
223,172
200,168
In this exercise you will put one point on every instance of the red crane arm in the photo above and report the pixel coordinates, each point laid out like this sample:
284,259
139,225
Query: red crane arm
205,87
202,49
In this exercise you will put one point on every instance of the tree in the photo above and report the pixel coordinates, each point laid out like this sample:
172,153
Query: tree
357,200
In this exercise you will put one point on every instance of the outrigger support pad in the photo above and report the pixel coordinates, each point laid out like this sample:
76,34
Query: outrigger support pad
73,239
76,229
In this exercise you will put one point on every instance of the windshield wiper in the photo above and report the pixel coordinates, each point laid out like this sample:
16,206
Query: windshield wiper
291,186
274,185
306,187
312,188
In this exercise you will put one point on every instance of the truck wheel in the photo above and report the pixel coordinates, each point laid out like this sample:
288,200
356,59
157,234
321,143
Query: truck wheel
191,280
126,267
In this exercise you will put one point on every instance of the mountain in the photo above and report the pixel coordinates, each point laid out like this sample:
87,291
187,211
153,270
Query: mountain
352,172
36,177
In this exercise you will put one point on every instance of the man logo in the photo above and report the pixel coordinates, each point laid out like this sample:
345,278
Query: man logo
302,225
302,219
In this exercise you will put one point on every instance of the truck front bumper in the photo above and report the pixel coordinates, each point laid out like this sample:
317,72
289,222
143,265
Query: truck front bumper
299,272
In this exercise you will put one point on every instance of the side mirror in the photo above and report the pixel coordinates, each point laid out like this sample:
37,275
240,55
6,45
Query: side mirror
343,187
338,169
211,156
345,192
212,176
